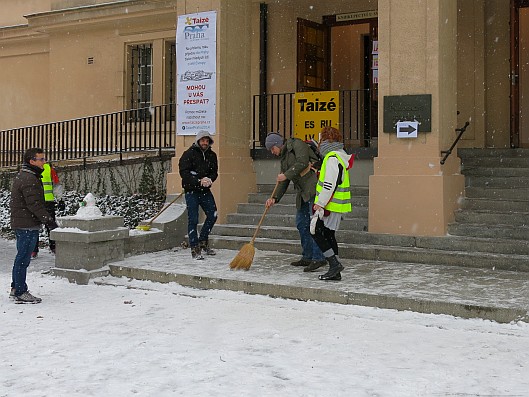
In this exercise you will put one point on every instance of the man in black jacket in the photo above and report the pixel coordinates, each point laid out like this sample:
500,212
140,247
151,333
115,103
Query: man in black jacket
28,212
198,170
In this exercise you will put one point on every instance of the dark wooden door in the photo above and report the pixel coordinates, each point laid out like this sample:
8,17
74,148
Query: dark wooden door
519,133
312,56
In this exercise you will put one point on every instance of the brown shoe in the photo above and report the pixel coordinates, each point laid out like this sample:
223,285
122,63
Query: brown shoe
302,262
204,246
314,265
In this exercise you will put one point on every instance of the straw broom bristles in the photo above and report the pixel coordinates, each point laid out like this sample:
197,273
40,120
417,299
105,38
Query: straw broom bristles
243,260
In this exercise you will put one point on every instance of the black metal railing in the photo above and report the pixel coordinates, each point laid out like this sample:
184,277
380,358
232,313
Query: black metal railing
131,130
460,132
275,113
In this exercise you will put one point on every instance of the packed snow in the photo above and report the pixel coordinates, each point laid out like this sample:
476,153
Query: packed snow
120,337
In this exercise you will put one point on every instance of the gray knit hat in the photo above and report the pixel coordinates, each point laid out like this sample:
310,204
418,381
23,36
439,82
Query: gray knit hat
273,139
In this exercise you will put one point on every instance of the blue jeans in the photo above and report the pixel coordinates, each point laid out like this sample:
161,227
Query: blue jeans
206,201
26,240
310,249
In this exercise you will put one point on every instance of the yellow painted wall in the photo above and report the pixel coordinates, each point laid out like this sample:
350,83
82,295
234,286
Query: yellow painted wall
24,101
13,11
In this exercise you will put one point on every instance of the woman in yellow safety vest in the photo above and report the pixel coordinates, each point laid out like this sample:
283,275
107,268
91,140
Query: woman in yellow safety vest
333,198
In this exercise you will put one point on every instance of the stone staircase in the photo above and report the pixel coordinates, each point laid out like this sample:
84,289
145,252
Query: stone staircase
491,230
496,205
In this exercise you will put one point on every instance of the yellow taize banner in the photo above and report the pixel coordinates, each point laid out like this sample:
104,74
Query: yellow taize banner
313,111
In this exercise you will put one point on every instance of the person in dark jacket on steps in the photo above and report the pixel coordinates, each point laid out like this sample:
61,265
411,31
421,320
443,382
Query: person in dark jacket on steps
28,212
296,166
199,169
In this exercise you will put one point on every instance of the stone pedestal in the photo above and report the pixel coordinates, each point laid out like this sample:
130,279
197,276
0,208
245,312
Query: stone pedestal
85,245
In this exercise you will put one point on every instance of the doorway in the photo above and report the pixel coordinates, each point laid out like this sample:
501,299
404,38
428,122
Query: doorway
520,73
342,56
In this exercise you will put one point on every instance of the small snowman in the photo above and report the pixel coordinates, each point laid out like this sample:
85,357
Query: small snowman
88,208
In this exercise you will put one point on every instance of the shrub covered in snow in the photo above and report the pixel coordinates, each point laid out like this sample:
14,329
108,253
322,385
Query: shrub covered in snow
133,208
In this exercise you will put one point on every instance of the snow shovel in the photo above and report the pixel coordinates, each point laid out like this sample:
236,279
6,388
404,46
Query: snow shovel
147,226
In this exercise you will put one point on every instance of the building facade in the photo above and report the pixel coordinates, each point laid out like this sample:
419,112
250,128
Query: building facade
63,59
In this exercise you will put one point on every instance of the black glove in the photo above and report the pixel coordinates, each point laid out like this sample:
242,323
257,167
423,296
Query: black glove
61,205
52,225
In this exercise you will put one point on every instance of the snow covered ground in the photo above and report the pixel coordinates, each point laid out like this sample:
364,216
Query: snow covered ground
149,339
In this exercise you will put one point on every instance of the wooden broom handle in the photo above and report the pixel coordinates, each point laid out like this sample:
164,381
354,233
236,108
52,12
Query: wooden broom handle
164,208
264,213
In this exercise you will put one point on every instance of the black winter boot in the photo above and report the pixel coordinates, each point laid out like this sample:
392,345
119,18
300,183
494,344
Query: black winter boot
206,248
335,267
196,253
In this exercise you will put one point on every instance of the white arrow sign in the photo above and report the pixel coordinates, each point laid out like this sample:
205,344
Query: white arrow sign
407,129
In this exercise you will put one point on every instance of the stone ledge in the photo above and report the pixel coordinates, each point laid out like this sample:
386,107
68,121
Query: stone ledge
88,224
89,237
383,301
81,277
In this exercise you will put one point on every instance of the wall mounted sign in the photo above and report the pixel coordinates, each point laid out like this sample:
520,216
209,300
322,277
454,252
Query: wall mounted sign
353,16
407,129
196,63
313,111
408,108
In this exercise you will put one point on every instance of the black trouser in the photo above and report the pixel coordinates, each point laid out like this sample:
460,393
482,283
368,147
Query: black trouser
50,207
326,240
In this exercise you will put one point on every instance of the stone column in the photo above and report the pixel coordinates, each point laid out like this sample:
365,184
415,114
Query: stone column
234,105
410,192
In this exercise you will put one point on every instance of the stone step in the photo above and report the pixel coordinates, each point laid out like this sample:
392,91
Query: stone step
495,162
355,190
489,231
493,218
495,172
349,223
445,243
389,253
504,182
520,194
467,153
479,204
281,209
290,199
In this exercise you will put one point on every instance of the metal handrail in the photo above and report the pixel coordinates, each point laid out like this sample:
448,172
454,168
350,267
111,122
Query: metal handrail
145,129
275,113
449,151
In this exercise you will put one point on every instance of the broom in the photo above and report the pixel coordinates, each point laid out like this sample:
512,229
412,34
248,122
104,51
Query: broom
244,259
147,226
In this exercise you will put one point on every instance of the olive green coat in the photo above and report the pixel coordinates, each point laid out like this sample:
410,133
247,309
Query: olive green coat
295,158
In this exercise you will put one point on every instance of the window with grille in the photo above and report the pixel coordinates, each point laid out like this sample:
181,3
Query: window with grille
140,78
170,78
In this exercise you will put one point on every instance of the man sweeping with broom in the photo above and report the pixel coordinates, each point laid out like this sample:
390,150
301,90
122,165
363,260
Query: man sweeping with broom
198,168
296,160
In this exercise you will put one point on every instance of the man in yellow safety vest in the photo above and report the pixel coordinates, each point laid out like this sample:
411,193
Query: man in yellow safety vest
52,190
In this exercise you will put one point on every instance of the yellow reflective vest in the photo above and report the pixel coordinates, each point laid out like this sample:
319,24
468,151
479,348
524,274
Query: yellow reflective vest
47,182
341,198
